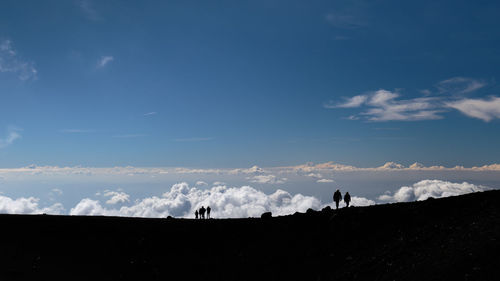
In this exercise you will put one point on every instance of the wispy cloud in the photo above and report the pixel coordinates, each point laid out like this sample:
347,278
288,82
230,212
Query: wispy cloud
12,135
383,105
105,60
77,131
10,62
129,136
344,20
193,139
87,8
355,101
484,109
150,113
460,85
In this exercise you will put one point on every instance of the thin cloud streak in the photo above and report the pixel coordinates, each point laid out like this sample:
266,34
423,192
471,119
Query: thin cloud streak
193,139
460,85
77,131
105,60
86,6
12,135
129,136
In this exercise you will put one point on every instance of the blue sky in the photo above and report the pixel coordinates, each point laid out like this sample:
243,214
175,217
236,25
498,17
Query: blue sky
230,84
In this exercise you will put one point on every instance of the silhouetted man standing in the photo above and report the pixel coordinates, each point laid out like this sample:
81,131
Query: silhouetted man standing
208,212
337,196
196,214
202,212
347,199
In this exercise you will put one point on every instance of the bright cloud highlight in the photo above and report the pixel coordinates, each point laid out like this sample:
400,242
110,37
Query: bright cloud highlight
430,188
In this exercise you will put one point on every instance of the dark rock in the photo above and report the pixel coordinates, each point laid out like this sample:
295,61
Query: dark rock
266,215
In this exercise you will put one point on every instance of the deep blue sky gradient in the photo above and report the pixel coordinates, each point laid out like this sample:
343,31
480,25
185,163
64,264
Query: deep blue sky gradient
241,83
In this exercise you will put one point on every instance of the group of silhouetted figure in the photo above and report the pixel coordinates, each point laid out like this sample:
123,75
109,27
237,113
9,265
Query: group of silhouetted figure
201,212
337,197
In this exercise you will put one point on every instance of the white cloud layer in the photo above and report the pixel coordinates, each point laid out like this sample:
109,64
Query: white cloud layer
270,175
27,206
182,201
10,62
226,202
430,188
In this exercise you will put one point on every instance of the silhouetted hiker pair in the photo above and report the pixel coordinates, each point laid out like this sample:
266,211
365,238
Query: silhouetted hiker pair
337,197
202,211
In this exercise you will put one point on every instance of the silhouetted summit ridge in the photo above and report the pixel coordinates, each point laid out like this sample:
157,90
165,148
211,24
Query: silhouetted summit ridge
454,238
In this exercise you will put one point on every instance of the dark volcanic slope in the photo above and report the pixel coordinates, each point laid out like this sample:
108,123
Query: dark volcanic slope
454,238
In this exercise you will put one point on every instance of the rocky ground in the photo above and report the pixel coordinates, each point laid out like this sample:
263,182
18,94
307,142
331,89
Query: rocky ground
455,238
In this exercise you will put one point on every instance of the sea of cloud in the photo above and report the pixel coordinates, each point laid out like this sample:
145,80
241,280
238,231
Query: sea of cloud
226,202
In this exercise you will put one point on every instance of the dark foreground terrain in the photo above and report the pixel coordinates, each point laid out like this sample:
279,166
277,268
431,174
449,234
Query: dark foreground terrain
454,238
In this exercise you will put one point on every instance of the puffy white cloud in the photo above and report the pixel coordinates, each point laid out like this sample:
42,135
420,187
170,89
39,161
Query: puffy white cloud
391,166
484,109
314,175
361,201
430,188
201,183
182,201
89,207
116,197
27,206
11,63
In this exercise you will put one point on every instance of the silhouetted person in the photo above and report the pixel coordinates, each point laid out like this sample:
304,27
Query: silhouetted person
208,212
196,214
202,212
337,196
347,199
